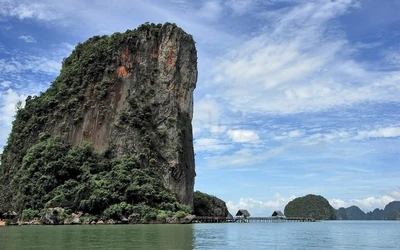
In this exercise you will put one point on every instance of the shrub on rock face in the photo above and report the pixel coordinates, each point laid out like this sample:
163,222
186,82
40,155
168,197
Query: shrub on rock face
29,214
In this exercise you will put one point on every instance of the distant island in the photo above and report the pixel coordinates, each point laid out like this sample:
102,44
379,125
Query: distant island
317,207
390,212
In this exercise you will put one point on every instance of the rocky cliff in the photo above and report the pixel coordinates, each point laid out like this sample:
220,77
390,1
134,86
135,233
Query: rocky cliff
209,205
128,95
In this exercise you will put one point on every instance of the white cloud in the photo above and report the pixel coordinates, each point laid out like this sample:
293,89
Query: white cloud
243,135
245,157
27,39
366,204
218,129
241,7
258,207
207,111
338,135
19,63
381,132
338,203
210,11
210,144
28,10
8,99
301,63
295,133
69,47
5,84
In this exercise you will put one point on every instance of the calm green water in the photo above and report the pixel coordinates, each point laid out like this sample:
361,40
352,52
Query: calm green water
320,235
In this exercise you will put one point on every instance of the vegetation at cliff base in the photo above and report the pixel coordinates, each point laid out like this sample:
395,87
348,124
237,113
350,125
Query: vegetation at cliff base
310,206
54,174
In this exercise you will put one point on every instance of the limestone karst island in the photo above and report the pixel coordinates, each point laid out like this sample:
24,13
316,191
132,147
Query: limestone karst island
111,139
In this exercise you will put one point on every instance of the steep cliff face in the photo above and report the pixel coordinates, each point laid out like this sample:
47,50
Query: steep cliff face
131,94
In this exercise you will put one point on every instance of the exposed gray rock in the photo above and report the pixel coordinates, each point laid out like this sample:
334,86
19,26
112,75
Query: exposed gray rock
124,220
111,221
76,221
53,216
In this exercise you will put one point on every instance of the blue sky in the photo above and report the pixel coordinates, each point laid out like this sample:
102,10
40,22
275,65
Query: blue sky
293,97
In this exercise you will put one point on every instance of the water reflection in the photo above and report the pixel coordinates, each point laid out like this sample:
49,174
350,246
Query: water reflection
98,237
320,235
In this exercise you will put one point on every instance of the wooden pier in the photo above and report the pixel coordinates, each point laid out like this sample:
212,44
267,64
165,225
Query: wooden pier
210,219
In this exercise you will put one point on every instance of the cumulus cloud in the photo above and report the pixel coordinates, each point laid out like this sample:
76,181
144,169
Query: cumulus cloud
210,144
243,135
27,39
210,11
366,204
381,132
5,84
258,207
8,100
217,128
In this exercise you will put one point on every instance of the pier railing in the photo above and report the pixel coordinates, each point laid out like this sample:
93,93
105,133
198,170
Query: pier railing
213,219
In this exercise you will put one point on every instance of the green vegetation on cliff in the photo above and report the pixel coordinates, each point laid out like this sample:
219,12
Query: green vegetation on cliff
110,137
209,205
310,206
54,174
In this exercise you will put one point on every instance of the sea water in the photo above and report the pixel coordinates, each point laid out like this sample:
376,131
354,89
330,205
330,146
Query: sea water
278,235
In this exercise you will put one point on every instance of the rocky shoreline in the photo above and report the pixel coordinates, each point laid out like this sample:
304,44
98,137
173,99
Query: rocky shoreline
58,216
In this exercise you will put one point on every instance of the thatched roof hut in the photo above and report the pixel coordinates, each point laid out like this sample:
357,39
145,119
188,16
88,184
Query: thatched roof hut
243,212
277,213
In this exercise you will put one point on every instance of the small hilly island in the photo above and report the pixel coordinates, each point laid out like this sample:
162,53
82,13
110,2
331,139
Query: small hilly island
317,207
310,206
390,212
111,138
